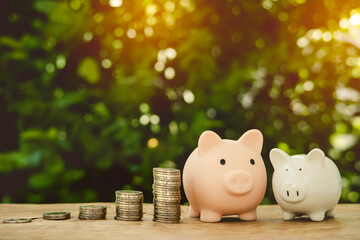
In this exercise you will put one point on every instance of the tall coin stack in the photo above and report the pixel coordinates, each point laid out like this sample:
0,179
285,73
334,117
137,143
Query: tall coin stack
129,205
92,212
166,193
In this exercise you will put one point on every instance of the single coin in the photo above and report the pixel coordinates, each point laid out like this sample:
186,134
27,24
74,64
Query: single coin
127,219
56,215
166,170
128,192
93,207
17,220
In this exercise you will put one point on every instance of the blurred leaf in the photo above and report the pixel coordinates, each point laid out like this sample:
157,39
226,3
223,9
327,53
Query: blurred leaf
41,181
89,70
46,6
73,175
71,98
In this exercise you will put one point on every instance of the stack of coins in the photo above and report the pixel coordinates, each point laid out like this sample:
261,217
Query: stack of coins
166,193
92,212
129,205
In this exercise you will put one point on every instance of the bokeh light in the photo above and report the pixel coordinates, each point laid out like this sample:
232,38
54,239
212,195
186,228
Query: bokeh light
93,86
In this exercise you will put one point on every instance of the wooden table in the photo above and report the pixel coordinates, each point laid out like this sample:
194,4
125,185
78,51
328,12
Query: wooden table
269,225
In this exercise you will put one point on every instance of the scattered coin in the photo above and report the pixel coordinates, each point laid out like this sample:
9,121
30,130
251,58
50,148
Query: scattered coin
166,195
56,215
92,212
18,220
129,205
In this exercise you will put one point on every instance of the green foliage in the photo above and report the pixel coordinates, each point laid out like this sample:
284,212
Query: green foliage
92,97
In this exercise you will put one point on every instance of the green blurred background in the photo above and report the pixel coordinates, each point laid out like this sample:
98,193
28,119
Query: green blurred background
95,93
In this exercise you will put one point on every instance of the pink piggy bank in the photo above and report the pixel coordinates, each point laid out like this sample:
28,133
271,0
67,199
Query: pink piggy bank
225,177
305,184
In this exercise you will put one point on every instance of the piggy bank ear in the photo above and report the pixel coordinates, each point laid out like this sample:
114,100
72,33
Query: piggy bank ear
317,156
207,140
252,138
278,157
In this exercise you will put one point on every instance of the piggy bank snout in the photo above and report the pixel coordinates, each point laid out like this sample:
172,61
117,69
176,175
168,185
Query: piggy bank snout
238,182
292,192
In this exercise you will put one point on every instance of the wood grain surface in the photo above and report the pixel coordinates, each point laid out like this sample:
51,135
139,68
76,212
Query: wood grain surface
345,225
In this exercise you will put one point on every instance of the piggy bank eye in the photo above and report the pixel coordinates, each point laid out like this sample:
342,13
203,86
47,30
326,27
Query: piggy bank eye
252,161
299,169
287,169
222,161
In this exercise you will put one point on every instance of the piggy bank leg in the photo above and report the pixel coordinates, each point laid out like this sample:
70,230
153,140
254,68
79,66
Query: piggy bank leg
193,213
210,216
248,216
288,215
317,216
330,213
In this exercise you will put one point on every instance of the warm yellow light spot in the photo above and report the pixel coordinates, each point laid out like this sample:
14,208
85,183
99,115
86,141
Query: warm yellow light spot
131,33
169,73
327,36
127,16
117,44
169,19
159,66
50,68
75,4
60,61
344,23
170,53
283,16
267,4
151,9
144,107
152,143
154,119
148,31
151,20
303,73
169,6
355,19
308,85
119,32
188,5
98,17
144,119
316,34
87,36
338,35
173,128
299,1
106,63
260,43
302,42
188,96
161,56
115,3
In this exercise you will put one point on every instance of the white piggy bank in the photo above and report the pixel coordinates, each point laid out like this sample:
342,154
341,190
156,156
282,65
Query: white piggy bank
305,184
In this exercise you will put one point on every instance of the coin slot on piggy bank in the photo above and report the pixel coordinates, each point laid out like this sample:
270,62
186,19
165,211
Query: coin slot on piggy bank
225,177
305,184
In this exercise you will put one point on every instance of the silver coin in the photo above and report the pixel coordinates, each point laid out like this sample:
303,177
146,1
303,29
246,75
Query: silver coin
95,207
56,215
166,220
165,170
127,219
91,217
18,220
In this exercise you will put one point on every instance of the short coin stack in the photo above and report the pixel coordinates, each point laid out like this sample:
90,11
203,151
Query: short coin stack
166,193
92,212
129,205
